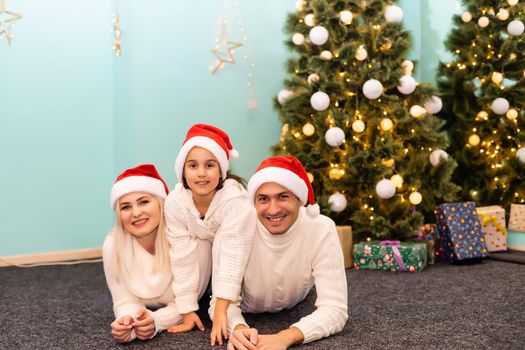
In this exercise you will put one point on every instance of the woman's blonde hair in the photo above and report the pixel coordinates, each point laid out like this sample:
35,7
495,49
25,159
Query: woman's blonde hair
161,259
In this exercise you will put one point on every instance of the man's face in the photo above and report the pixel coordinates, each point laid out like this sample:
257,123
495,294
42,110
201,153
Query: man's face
277,207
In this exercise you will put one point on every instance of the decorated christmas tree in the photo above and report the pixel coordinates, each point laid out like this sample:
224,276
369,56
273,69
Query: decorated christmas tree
359,122
483,91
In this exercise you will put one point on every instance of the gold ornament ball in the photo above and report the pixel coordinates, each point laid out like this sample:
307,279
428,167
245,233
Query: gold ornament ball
386,124
358,126
497,77
483,21
388,162
417,111
345,17
415,198
361,54
503,14
483,115
473,140
466,17
309,20
312,78
387,45
335,174
512,114
326,55
310,177
397,180
308,129
512,2
512,56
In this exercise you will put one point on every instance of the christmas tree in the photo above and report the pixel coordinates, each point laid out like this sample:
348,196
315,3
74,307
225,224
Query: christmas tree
356,118
483,92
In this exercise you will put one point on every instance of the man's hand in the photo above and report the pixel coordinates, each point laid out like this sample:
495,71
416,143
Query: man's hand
243,338
281,340
220,322
121,329
189,321
144,325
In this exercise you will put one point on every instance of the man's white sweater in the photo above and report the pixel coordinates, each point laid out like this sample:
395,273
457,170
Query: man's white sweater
229,224
283,268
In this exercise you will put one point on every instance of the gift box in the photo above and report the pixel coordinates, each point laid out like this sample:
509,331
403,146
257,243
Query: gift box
493,226
517,217
345,237
460,231
390,256
516,240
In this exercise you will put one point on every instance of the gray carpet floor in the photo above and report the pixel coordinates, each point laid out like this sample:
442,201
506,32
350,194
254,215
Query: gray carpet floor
478,306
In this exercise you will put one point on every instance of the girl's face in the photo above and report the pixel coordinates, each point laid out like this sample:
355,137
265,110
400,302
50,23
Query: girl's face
139,213
202,172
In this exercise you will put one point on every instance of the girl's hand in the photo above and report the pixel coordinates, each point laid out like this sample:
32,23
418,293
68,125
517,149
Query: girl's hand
219,328
189,321
144,325
121,329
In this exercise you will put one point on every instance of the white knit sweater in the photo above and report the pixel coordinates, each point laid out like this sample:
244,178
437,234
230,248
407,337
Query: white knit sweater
283,268
141,287
229,223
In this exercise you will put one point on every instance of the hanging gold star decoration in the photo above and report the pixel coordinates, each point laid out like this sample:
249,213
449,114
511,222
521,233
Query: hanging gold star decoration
7,20
224,57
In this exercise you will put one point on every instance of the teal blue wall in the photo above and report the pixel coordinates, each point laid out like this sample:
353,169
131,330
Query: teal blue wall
74,115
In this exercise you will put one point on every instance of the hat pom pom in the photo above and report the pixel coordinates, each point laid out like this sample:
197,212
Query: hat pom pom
313,210
234,154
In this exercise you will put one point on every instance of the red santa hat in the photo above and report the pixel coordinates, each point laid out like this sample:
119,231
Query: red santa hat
143,178
288,172
211,138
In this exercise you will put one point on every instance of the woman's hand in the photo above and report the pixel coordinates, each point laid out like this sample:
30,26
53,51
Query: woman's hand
189,321
144,325
121,329
220,322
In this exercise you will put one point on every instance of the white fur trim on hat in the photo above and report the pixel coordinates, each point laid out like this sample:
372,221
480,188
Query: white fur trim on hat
204,142
281,176
136,184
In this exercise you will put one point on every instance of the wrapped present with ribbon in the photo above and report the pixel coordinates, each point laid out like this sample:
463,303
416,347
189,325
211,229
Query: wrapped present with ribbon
390,256
493,226
517,217
460,232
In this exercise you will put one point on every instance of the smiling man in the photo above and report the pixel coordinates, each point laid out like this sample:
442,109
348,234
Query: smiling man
294,249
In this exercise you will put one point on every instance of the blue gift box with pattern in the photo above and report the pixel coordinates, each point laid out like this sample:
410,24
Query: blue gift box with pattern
460,231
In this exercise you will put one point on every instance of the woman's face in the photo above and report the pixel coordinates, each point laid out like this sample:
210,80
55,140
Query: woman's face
202,172
139,213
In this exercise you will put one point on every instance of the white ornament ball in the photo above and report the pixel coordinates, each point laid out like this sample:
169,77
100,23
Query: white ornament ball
361,54
483,21
497,77
312,78
397,180
512,114
434,105
474,140
284,96
298,39
345,17
436,156
308,129
407,85
515,28
417,111
326,55
299,5
337,202
334,136
386,189
318,35
320,101
500,106
358,126
466,17
386,124
372,89
512,2
521,154
415,198
393,14
309,20
408,67
503,14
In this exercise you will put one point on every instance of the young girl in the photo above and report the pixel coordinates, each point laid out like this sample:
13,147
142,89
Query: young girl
136,257
209,221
